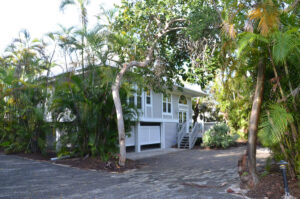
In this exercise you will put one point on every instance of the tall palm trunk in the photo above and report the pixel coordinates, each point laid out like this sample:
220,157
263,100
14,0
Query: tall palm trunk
253,124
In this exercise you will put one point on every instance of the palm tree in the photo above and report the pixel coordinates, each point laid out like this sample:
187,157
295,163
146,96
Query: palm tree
267,14
81,4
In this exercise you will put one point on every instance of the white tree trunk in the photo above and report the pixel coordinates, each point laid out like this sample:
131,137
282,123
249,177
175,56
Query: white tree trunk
119,112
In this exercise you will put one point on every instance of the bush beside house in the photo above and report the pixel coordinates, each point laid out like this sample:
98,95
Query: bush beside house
218,137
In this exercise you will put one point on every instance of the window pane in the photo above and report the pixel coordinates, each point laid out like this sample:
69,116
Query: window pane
184,116
148,100
182,100
131,100
169,107
139,102
164,107
180,117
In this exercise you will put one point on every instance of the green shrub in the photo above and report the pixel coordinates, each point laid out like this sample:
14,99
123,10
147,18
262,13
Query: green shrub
218,137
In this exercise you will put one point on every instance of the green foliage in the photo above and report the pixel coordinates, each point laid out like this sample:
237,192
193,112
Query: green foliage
218,137
234,100
23,97
87,126
273,125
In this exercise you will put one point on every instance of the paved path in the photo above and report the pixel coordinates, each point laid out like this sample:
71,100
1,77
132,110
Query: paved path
185,174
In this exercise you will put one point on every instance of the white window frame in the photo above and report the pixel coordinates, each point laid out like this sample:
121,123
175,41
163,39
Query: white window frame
146,96
135,97
184,105
167,107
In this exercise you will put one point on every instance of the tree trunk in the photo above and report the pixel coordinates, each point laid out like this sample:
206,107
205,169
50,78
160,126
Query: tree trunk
196,112
119,112
253,124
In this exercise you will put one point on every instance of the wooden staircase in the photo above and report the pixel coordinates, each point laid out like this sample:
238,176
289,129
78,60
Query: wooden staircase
185,144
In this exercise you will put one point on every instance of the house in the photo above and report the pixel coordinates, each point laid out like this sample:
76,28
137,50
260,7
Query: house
165,119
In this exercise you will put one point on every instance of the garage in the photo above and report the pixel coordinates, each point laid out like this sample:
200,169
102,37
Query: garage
148,136
149,133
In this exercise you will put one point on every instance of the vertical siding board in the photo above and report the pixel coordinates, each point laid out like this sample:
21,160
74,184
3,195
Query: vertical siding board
157,105
175,101
170,134
190,107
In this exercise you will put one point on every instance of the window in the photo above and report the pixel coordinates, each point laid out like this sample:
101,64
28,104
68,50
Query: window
136,99
182,100
167,108
148,97
131,100
182,116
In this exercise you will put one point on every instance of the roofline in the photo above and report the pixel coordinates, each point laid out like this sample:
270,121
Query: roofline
190,92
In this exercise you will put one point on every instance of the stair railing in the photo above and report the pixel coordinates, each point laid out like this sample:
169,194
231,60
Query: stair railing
194,135
180,133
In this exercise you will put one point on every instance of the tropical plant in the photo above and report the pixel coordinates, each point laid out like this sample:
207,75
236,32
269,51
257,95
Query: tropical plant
256,42
218,137
24,94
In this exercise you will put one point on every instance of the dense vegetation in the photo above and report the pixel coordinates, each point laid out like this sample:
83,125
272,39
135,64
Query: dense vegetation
247,51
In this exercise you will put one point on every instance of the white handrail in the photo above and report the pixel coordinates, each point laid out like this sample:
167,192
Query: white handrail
193,135
180,133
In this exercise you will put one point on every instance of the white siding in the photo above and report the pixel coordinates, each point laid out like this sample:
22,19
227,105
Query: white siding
170,134
167,116
189,100
157,105
149,111
175,101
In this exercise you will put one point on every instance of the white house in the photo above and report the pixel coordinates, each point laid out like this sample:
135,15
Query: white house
165,119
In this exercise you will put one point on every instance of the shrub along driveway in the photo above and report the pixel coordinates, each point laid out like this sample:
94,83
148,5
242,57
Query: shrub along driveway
183,174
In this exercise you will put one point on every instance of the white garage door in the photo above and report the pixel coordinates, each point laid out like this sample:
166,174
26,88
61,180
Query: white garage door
149,135
130,139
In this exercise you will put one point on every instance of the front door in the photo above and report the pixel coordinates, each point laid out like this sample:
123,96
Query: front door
182,117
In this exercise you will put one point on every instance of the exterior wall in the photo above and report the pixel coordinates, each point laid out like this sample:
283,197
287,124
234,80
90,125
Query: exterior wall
175,101
170,130
167,116
157,105
168,121
190,108
148,111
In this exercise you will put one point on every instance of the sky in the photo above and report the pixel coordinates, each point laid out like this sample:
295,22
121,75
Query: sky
40,17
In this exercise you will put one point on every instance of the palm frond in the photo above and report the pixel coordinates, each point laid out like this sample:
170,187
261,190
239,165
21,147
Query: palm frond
274,125
247,38
268,16
283,44
64,3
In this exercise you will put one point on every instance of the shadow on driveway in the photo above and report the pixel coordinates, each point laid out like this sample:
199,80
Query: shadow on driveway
182,174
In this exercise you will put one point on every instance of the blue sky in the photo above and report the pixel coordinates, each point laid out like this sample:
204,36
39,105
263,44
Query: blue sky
40,17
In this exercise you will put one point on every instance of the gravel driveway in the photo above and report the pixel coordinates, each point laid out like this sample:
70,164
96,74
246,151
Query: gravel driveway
184,174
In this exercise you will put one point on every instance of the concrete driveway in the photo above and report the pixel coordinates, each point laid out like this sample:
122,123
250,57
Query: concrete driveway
183,174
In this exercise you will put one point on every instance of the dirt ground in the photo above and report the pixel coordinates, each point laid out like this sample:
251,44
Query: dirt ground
271,186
